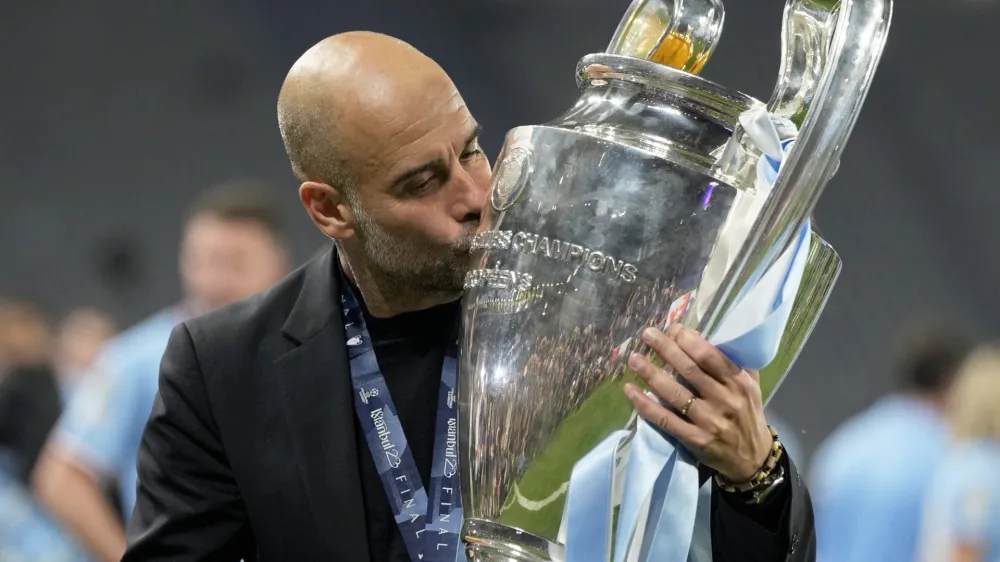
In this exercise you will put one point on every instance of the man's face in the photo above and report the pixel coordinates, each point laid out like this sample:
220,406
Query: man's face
24,335
420,191
223,261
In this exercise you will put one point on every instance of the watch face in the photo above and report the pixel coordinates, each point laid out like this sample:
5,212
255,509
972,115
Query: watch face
767,488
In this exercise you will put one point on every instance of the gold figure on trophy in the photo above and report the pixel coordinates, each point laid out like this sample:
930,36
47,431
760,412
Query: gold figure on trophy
680,52
656,30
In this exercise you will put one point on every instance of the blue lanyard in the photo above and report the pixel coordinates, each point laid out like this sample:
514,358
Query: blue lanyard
430,525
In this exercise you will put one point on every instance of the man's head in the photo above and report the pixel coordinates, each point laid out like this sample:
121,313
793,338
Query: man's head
232,246
389,160
973,402
25,337
930,359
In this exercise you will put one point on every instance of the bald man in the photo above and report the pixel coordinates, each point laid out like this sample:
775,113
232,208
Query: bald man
270,436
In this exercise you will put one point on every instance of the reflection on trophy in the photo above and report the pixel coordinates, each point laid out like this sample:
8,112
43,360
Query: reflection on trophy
605,221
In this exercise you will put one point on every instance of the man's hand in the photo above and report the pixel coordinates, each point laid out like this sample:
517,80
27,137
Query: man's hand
724,426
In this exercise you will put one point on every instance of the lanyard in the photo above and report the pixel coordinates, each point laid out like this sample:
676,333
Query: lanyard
430,524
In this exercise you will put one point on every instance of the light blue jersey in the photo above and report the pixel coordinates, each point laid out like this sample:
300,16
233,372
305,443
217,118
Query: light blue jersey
103,424
963,504
869,482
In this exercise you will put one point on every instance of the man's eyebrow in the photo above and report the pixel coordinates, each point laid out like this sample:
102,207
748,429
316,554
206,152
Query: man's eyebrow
478,130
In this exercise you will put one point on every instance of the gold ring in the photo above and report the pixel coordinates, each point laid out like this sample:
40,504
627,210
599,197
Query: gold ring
687,406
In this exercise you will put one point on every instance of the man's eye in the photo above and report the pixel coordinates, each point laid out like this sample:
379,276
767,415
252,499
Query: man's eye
421,187
472,150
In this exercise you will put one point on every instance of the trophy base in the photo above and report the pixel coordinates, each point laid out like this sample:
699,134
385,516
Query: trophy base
486,541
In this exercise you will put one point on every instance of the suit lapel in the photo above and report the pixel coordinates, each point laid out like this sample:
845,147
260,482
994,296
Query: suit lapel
313,381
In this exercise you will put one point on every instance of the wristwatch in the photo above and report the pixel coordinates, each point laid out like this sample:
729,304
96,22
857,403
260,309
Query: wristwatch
760,495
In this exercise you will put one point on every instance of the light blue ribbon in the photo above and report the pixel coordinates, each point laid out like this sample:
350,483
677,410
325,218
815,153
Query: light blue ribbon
757,347
701,542
767,172
589,503
652,454
670,528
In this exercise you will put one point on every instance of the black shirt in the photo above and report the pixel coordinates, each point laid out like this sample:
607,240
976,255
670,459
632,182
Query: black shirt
410,351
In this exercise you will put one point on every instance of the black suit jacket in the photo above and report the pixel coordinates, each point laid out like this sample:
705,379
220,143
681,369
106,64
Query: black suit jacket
250,453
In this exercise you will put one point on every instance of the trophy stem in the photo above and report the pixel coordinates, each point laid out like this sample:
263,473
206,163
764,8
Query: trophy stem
488,541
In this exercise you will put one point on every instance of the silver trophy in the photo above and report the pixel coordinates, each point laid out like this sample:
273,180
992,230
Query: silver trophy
603,222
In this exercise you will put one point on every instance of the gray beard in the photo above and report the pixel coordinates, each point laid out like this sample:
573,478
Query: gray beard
404,267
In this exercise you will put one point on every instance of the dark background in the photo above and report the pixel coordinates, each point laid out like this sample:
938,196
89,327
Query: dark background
115,113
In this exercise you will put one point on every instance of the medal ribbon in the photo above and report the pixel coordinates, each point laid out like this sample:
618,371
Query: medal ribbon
430,524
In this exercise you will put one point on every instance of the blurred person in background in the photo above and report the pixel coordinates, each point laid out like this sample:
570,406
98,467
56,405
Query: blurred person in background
81,335
78,340
232,248
30,404
962,513
29,391
869,478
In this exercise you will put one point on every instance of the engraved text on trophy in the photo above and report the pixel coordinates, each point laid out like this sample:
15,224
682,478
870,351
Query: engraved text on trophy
595,260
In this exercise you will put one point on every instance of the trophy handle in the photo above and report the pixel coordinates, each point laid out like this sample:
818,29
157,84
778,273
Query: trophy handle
681,34
807,31
822,269
830,111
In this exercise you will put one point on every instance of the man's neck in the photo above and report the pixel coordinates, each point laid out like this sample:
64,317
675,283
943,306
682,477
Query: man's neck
384,299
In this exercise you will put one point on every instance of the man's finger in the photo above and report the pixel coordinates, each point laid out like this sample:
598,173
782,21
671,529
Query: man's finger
651,410
674,329
706,356
675,357
668,389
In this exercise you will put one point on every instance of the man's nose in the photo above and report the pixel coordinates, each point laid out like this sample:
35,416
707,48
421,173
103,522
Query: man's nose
471,196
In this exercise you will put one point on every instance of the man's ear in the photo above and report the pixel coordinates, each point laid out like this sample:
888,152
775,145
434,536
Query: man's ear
328,208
